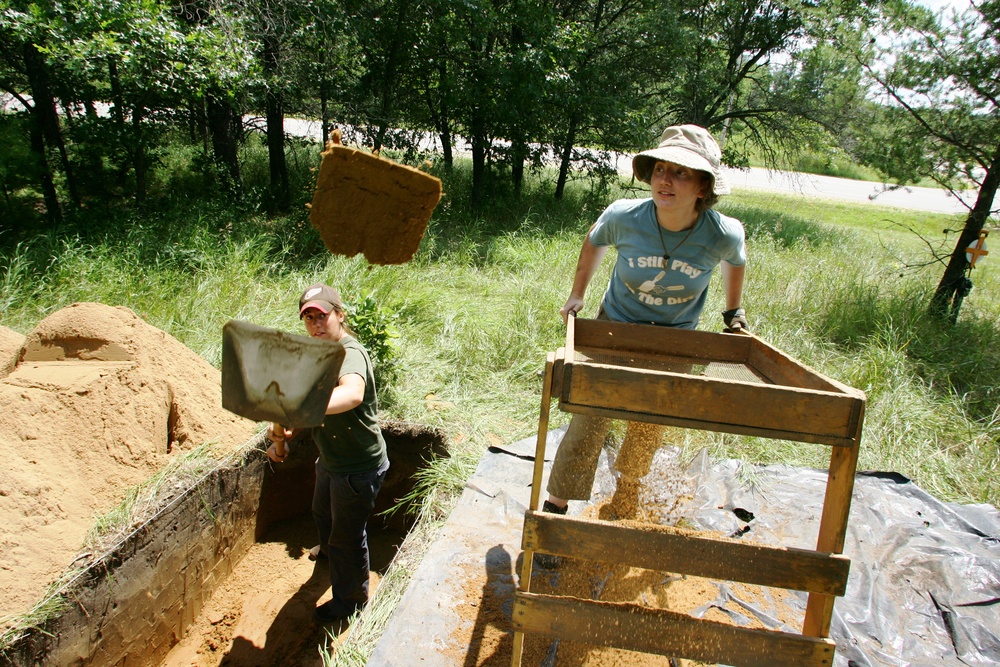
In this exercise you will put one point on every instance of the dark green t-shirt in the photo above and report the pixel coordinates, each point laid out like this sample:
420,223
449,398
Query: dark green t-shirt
352,441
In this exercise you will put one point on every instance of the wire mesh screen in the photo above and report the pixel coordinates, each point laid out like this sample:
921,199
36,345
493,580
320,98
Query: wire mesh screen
714,369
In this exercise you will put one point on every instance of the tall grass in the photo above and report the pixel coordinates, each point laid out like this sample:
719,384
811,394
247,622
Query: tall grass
835,285
838,286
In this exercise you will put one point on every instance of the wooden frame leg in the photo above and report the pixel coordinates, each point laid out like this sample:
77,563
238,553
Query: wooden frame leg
832,532
536,493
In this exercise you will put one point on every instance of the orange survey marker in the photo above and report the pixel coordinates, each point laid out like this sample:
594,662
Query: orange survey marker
368,204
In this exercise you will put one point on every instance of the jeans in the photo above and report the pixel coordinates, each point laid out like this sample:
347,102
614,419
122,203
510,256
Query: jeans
341,507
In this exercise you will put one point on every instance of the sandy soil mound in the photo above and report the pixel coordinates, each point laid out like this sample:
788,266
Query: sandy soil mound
10,349
98,402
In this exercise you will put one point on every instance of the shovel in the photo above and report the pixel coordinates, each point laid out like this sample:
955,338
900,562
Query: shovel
269,375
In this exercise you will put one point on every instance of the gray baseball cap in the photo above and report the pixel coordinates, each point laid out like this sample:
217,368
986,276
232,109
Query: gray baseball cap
320,296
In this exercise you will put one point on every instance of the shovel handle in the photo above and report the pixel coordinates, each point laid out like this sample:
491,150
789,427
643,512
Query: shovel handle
279,442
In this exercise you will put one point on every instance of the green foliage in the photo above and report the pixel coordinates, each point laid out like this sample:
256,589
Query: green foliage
18,166
374,328
581,79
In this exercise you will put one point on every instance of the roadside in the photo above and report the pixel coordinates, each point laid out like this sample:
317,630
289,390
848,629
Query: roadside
932,200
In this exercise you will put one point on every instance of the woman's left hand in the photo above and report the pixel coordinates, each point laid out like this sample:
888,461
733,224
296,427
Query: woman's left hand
736,321
279,436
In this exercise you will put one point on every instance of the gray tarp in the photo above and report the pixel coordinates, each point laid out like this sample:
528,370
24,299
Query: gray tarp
924,587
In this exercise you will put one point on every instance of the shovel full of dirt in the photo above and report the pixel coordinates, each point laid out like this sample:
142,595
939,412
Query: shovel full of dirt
269,375
368,204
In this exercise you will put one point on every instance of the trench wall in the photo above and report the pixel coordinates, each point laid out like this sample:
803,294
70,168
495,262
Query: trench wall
132,606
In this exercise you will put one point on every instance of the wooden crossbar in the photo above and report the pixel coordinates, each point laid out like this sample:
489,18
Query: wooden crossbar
668,549
820,416
661,632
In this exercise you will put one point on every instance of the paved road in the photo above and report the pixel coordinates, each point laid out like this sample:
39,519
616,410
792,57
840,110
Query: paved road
864,192
807,185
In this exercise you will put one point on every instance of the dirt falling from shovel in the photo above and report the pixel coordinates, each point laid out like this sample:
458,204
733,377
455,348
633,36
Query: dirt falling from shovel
367,204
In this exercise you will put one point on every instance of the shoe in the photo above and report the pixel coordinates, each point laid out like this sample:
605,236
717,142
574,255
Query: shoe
552,508
550,561
332,611
317,552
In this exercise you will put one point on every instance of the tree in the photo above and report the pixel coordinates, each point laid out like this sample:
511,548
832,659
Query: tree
773,70
607,54
27,76
147,60
943,78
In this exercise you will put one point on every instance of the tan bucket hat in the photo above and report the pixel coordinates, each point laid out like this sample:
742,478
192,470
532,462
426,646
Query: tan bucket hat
690,146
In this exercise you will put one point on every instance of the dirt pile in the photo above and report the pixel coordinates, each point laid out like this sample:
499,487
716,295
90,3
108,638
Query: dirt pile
97,402
10,349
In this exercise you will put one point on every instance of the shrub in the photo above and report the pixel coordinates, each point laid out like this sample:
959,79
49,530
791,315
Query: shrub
374,328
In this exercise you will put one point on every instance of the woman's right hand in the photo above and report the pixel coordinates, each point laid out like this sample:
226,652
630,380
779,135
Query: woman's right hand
278,435
573,306
274,455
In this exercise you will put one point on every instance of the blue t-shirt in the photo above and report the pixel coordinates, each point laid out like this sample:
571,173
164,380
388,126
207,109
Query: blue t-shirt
642,290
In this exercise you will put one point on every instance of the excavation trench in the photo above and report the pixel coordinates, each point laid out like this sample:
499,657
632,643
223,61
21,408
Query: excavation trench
221,574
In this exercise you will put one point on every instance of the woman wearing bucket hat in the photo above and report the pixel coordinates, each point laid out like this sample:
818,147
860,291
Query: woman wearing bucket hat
667,248
352,461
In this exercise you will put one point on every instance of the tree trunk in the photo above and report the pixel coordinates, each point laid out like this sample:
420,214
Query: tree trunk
117,98
275,128
44,109
324,102
953,279
441,113
276,151
518,154
564,162
225,139
140,165
446,141
53,212
479,146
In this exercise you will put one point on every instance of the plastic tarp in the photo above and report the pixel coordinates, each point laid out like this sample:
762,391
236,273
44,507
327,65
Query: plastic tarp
924,585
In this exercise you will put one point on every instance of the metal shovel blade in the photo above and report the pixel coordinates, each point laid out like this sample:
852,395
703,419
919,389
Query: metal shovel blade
269,375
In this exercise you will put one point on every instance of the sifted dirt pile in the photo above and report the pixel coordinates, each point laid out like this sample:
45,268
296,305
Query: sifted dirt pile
10,349
97,403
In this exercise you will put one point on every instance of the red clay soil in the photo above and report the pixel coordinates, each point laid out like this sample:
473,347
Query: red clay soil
98,402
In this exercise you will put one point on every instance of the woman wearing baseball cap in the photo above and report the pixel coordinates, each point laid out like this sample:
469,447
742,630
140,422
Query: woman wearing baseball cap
352,461
667,248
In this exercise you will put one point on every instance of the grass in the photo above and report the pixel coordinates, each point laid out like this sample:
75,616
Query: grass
142,501
839,286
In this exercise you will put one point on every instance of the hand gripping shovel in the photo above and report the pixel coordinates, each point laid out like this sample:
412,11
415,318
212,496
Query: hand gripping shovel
269,375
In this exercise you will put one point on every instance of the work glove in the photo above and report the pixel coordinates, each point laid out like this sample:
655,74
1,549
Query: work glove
736,321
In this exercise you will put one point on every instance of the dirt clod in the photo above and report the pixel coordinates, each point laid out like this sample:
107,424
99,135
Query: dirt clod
367,204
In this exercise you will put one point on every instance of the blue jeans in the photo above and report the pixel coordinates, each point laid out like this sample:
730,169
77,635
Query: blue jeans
341,507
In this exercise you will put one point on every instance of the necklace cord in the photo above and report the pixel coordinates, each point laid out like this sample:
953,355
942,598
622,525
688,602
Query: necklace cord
666,255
